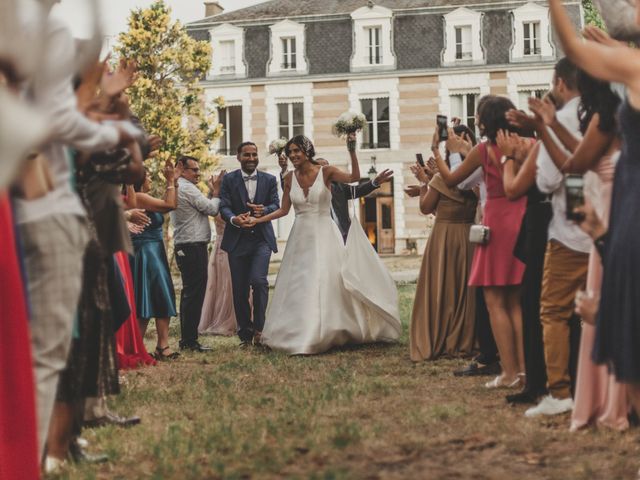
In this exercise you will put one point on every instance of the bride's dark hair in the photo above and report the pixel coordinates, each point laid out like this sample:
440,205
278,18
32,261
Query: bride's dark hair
304,144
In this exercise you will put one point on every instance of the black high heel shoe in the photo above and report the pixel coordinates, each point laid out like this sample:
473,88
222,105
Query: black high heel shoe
160,356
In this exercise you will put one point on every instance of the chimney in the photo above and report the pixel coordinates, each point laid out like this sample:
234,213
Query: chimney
212,8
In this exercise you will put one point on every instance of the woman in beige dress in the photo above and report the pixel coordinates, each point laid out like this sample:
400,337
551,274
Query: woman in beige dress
218,316
442,322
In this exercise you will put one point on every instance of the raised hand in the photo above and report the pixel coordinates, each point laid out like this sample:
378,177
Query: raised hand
214,183
154,142
431,168
412,190
169,172
114,83
419,173
507,143
283,161
595,34
383,177
459,144
522,120
352,142
544,109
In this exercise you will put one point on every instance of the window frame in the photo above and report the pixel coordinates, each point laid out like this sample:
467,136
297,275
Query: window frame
375,122
289,53
228,149
291,126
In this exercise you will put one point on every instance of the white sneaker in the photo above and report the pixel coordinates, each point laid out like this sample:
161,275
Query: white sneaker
550,406
54,466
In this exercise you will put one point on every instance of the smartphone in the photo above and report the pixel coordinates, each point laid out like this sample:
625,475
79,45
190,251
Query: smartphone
574,187
442,122
420,160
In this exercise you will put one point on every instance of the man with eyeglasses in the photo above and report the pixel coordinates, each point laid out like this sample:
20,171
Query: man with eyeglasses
192,234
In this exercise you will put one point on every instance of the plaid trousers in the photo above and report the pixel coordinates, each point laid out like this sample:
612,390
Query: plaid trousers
53,252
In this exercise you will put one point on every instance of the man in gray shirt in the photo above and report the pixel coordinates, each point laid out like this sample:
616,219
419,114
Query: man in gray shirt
192,234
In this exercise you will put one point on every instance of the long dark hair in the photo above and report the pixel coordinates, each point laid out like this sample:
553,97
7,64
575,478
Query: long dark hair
304,144
596,96
493,119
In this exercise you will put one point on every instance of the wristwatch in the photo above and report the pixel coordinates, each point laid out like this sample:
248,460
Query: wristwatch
506,158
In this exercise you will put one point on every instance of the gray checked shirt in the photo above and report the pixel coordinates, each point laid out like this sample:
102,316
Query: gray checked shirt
191,218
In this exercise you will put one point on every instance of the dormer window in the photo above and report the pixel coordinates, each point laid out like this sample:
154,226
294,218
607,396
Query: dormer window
227,57
373,37
287,48
463,43
531,31
463,38
531,38
289,53
226,41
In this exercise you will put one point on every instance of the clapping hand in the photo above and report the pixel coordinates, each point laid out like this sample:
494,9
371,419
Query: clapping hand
412,190
461,144
383,177
522,120
595,34
507,142
114,83
154,142
169,172
138,218
214,183
545,109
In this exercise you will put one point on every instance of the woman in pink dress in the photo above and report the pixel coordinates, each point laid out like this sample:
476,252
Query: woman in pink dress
494,267
599,399
218,316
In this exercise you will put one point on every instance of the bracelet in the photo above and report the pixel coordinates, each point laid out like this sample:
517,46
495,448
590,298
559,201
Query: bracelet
171,187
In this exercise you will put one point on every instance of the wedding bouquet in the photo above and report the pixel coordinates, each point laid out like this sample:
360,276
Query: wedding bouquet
277,146
349,122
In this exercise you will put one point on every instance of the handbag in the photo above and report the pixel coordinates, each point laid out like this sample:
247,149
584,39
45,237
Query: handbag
479,234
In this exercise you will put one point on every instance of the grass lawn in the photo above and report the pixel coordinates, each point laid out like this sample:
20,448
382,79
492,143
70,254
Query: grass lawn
365,413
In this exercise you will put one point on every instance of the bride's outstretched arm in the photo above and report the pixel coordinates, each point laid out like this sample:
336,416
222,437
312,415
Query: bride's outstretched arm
334,174
285,206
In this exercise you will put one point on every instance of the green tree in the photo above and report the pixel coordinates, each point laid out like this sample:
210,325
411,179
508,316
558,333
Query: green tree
591,15
167,96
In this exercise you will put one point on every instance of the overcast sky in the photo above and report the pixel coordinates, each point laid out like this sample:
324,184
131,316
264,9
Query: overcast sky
115,12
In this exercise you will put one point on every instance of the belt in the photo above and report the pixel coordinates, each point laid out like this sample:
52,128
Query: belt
190,244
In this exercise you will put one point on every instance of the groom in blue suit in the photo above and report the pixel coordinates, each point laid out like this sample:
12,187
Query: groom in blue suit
249,192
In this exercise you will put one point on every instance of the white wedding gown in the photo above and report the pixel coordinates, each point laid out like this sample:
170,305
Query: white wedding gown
328,294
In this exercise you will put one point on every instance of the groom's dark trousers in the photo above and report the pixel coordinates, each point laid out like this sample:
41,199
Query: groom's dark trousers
248,250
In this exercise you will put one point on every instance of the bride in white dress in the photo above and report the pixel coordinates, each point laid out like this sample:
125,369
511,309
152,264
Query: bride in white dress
326,294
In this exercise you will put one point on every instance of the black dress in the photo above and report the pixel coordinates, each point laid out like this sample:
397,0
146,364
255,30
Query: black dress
530,249
618,326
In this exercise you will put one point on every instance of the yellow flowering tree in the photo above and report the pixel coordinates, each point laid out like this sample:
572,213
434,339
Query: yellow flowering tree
167,96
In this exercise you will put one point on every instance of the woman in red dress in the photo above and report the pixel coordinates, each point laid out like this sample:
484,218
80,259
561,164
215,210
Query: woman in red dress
18,444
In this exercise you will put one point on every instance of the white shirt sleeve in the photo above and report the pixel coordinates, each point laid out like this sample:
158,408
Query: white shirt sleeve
471,182
548,177
198,201
53,94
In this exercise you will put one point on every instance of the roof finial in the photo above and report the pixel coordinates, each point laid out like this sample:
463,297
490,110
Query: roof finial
370,4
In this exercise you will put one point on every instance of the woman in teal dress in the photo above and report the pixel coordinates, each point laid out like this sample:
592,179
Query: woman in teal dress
155,296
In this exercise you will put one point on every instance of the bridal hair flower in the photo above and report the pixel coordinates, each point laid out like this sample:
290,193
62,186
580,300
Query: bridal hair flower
277,146
349,122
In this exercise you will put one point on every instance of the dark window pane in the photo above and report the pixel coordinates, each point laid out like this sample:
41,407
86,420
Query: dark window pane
386,216
235,127
298,130
298,114
383,135
284,132
458,43
367,108
283,114
370,213
383,109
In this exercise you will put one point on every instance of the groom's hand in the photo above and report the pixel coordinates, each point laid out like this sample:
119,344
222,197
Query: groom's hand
258,210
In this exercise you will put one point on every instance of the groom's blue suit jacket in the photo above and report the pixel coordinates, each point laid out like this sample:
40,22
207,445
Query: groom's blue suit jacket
233,201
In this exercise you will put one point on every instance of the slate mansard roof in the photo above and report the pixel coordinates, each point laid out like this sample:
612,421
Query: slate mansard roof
418,26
